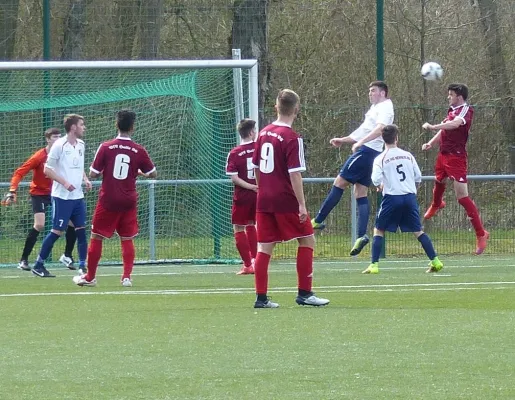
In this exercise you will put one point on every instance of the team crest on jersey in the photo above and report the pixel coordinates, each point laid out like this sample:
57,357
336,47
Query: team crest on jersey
80,152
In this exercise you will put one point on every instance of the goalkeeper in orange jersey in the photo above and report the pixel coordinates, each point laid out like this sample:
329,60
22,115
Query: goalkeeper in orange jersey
40,188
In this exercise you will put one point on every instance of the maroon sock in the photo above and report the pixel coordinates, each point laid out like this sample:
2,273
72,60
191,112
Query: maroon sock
128,256
261,272
94,255
305,268
242,245
473,214
438,192
250,230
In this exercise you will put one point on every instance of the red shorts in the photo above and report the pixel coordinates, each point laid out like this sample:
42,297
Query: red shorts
106,222
275,227
243,214
451,166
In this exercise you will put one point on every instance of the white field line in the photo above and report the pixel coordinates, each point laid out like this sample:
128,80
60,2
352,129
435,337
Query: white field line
232,271
410,287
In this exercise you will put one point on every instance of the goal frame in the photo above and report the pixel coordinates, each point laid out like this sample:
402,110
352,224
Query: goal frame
236,64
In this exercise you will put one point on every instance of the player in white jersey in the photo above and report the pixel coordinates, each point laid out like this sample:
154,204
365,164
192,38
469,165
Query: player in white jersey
397,174
65,166
367,144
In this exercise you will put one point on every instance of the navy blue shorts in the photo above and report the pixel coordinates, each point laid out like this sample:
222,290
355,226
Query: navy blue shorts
399,212
68,210
358,167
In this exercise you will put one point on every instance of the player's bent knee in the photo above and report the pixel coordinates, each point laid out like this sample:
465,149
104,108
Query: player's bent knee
341,183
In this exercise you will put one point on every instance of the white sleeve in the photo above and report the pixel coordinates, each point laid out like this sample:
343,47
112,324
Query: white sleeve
385,113
416,170
358,133
53,156
377,171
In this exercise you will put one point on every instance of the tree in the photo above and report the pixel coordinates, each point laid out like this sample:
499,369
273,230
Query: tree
8,22
75,22
151,17
498,73
250,34
126,25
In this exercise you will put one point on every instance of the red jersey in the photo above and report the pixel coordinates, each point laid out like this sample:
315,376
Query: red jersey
119,161
278,151
455,141
41,185
239,162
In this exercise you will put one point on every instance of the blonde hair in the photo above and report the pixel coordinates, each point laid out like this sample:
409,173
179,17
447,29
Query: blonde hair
287,102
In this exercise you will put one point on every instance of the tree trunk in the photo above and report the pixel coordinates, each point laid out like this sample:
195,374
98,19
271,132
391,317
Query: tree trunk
8,24
126,24
250,34
498,73
151,18
75,22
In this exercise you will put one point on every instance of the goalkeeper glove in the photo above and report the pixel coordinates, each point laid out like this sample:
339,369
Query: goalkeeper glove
9,198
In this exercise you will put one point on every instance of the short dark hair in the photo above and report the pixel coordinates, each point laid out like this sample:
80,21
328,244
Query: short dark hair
70,120
287,100
125,120
460,89
245,127
381,85
51,132
390,133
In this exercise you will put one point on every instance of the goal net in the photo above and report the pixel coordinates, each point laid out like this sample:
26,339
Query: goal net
187,113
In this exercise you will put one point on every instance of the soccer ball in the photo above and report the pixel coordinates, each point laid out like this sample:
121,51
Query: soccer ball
431,71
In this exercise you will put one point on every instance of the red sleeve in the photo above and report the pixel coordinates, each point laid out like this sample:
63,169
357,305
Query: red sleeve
32,163
98,163
257,153
467,114
295,155
146,165
230,165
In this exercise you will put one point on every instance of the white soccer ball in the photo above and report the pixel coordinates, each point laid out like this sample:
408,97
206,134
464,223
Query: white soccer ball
431,71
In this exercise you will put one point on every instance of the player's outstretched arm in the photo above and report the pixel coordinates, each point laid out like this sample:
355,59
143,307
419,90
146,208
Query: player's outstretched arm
30,164
435,140
337,142
152,174
447,125
376,132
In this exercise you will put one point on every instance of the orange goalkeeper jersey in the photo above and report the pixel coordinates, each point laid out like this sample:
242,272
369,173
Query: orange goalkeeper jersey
41,185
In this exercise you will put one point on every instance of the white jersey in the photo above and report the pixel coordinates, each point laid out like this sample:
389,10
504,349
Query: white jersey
67,161
398,172
380,113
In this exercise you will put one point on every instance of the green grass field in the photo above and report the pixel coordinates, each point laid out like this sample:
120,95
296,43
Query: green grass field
190,332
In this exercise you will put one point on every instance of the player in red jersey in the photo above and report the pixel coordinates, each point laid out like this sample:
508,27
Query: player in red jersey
40,188
451,162
119,161
239,167
281,214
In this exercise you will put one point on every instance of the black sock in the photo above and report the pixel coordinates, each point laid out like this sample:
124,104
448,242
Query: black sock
71,238
262,297
31,240
304,293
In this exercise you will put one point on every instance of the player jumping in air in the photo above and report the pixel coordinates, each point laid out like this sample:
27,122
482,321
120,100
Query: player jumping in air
451,162
367,144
